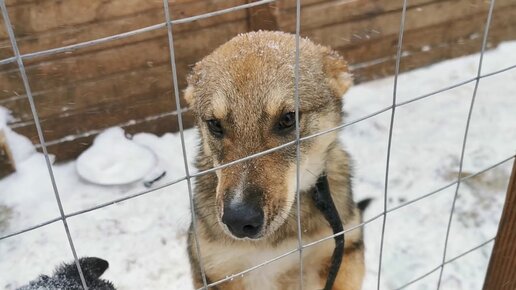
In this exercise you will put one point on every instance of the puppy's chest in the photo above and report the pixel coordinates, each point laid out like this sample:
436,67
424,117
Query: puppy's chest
282,274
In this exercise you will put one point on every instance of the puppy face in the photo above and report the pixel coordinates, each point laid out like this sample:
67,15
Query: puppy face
243,95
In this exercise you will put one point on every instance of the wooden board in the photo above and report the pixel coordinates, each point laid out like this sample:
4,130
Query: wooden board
418,59
96,67
340,11
5,50
36,32
501,273
415,60
117,56
54,15
362,31
262,17
71,148
14,3
430,44
285,4
77,82
101,116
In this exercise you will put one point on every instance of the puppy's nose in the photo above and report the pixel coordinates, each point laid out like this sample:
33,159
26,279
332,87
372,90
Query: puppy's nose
243,220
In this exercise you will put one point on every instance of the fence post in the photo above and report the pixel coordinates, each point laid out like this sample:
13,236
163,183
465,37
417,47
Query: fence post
501,273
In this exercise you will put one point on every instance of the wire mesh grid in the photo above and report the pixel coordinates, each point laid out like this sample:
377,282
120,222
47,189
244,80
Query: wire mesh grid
168,23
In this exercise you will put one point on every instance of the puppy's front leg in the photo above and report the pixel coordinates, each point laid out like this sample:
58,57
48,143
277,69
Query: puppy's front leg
194,262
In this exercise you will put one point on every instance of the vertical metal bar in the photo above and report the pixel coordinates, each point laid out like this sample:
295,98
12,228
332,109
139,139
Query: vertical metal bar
181,133
298,151
465,138
34,111
393,111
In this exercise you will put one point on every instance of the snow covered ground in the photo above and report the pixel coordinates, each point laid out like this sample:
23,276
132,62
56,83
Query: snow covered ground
144,238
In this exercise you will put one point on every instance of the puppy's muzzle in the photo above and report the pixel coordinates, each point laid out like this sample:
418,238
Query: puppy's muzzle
244,220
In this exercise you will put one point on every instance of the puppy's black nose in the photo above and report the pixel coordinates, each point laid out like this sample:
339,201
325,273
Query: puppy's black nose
243,220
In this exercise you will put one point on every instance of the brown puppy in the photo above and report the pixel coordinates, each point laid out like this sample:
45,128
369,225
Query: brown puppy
243,98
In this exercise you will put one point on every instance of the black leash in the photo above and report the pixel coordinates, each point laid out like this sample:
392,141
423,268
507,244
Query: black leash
322,197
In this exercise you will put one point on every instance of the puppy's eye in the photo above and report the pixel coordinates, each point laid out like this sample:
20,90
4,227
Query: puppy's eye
215,128
287,122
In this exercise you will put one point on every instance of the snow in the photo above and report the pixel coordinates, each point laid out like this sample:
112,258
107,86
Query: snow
144,238
106,162
20,145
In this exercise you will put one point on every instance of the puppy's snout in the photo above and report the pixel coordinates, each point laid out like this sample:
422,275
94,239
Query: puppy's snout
244,220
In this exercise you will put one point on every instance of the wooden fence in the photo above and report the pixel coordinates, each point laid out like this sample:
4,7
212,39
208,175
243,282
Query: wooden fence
501,273
127,82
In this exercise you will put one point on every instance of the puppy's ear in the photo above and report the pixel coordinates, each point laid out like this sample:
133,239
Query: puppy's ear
188,94
93,267
337,74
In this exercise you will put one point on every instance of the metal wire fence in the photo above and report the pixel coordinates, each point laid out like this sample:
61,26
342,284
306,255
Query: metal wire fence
168,23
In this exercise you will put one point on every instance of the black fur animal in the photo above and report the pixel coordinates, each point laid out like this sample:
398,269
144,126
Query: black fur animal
66,277
364,204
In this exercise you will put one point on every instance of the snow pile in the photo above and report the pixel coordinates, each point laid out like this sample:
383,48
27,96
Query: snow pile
114,159
21,146
144,238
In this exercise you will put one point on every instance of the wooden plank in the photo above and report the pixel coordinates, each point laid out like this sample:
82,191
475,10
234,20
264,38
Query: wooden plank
417,59
430,37
501,272
11,85
429,45
72,84
32,38
100,116
82,71
11,3
14,3
5,50
364,30
72,35
54,15
339,12
286,4
69,69
71,148
51,15
262,17
6,158
146,85
409,61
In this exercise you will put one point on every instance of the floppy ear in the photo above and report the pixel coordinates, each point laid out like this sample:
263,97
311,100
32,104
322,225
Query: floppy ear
337,74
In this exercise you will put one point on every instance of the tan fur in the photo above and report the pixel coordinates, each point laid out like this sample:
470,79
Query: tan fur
247,84
351,272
